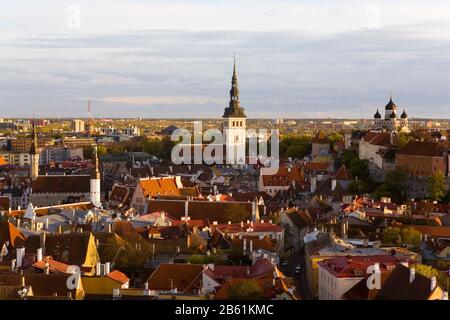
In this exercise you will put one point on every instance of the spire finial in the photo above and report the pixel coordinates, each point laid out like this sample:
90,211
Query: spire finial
234,65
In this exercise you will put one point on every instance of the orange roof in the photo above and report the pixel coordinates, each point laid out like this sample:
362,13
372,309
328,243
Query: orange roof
159,186
343,174
2,161
434,231
54,266
183,277
284,177
118,276
317,166
321,137
8,232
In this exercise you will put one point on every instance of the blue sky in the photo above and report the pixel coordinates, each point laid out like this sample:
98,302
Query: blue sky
296,59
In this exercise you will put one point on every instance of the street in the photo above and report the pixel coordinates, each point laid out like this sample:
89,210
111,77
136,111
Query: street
299,280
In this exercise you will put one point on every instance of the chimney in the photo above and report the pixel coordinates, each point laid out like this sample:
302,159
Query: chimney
107,268
433,283
59,229
333,184
47,269
46,224
109,228
13,265
39,255
186,208
42,237
18,221
98,269
20,254
412,275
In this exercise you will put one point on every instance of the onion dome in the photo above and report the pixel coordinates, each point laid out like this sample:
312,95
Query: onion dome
404,115
377,115
393,115
391,105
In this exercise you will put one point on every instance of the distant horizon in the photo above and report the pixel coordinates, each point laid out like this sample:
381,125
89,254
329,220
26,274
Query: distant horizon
212,119
173,59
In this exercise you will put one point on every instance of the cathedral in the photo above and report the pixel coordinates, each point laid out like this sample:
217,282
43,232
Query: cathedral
391,122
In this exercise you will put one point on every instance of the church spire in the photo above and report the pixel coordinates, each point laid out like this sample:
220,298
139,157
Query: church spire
95,171
34,143
234,108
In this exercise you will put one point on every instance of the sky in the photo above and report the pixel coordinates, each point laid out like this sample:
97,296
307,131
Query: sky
173,59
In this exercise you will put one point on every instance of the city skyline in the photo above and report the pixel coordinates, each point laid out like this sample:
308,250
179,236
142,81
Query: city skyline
174,60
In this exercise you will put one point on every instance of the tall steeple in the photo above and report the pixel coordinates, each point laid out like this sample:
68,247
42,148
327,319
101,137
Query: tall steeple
34,143
95,172
234,108
34,155
95,181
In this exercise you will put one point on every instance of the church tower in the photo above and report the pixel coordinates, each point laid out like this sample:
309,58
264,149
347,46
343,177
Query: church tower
234,125
95,181
34,155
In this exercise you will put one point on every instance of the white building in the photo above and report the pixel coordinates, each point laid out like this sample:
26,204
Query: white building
78,125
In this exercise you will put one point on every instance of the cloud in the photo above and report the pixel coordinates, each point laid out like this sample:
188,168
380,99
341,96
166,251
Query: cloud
160,100
294,60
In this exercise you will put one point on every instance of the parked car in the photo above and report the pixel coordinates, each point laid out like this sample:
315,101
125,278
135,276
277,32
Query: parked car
298,269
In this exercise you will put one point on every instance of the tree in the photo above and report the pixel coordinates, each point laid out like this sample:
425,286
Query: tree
391,235
298,151
393,187
403,139
406,235
295,146
246,290
410,236
429,272
131,257
437,185
359,168
236,213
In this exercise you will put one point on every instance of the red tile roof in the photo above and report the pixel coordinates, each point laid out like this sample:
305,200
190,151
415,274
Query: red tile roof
345,267
343,174
54,266
118,276
8,232
61,184
183,277
284,177
424,148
